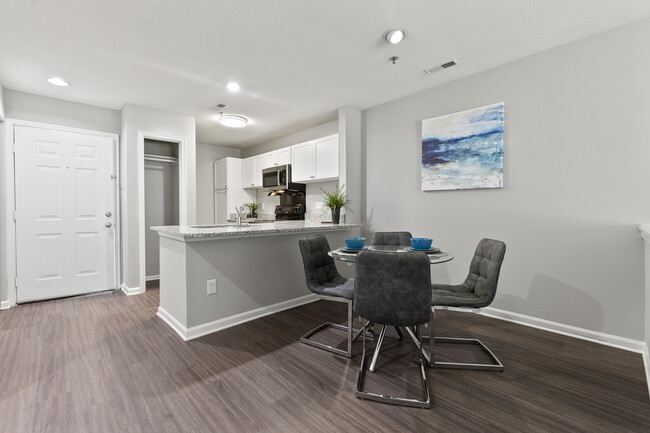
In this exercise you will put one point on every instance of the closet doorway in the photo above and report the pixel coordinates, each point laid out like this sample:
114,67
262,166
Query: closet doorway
161,197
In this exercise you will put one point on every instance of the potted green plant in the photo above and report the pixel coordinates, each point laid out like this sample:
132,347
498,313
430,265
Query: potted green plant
252,209
335,201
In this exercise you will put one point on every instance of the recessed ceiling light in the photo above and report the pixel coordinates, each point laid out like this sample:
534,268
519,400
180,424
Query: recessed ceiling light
233,86
395,36
57,81
233,121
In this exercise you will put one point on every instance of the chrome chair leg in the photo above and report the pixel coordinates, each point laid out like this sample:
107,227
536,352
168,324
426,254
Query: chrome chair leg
360,393
377,347
352,334
495,366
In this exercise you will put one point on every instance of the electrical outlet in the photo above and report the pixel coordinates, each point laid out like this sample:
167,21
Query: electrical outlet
212,287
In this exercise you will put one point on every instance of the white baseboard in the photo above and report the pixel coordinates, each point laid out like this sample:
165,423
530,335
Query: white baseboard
5,304
217,325
568,330
128,291
172,322
152,277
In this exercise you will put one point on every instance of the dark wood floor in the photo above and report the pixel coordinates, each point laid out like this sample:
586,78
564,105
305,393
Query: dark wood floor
106,363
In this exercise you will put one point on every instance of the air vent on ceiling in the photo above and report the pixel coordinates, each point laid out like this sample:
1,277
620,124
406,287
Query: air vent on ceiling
441,67
218,107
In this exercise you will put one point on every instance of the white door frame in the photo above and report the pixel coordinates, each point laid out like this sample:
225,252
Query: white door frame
10,204
182,195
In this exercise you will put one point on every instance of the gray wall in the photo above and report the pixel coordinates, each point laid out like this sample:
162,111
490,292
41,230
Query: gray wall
206,154
35,108
575,175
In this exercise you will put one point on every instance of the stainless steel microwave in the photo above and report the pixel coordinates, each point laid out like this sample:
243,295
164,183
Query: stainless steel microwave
277,177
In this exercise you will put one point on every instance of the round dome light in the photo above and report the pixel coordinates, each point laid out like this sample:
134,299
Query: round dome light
233,86
233,121
56,81
395,36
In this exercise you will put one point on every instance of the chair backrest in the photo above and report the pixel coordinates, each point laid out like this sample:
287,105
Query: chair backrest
392,288
319,267
485,268
397,239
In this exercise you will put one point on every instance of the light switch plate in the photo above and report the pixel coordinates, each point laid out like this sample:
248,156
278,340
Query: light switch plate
212,287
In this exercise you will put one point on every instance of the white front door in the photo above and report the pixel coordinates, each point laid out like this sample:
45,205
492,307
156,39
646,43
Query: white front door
65,213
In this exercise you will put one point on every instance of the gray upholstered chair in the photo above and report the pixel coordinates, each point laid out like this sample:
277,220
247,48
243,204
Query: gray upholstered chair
398,239
393,289
324,280
478,290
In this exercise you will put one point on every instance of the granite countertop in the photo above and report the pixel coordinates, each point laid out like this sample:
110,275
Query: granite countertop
212,231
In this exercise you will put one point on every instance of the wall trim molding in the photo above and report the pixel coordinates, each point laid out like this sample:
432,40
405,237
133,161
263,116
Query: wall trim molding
6,304
237,319
568,330
152,277
129,291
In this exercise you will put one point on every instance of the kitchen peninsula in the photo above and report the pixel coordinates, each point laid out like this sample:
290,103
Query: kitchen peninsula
257,269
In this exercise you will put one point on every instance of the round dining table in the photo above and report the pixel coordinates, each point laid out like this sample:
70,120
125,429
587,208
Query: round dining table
350,256
435,255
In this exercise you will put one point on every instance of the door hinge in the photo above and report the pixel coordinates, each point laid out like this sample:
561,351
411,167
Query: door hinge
13,147
16,282
14,215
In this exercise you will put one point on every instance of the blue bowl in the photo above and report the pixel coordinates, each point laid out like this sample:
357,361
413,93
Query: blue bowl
421,243
355,243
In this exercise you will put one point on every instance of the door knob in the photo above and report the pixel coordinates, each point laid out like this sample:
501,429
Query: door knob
108,225
108,214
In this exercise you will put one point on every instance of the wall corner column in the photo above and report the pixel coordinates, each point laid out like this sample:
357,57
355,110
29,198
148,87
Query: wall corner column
350,160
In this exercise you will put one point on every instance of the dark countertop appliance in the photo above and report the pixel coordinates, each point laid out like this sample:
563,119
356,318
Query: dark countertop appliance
292,204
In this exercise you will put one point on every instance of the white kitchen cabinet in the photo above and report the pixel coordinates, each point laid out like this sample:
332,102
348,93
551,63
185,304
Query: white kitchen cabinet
249,178
228,174
269,159
284,156
326,157
316,160
302,169
253,166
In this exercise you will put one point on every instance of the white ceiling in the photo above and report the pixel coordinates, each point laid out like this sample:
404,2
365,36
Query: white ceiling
297,61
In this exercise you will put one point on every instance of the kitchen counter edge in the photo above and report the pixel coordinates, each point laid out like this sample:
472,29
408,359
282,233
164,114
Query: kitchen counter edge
193,233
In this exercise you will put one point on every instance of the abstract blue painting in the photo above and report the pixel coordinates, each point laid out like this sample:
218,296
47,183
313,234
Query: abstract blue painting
463,150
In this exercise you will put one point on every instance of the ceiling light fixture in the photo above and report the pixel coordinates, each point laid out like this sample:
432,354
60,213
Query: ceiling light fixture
233,86
232,120
395,36
56,81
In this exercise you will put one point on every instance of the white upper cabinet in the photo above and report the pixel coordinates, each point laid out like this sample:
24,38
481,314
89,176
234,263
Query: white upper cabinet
249,178
284,156
269,159
327,157
302,169
220,174
316,160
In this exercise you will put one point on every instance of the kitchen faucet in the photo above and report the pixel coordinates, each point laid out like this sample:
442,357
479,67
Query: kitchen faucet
238,218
